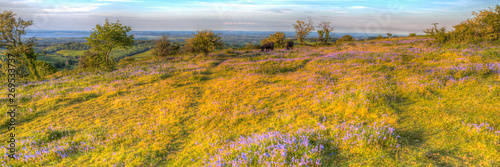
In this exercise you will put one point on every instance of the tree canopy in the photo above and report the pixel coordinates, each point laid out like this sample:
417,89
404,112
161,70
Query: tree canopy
302,29
11,30
204,42
109,36
278,38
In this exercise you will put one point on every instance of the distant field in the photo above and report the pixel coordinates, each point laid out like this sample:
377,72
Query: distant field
143,55
72,53
51,58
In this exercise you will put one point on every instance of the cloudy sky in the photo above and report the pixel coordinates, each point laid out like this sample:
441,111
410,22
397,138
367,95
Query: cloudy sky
359,16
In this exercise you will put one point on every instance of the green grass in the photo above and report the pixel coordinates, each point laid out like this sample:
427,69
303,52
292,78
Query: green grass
71,53
142,55
51,58
404,103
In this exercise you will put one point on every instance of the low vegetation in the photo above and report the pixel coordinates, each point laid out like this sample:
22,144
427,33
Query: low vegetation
396,101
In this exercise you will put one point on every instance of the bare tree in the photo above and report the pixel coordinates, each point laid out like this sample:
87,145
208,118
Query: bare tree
324,32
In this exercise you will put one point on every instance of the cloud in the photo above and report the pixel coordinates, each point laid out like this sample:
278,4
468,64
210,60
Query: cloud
238,23
358,7
82,8
119,1
277,10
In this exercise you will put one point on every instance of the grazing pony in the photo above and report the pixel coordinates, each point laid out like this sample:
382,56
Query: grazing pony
268,46
289,45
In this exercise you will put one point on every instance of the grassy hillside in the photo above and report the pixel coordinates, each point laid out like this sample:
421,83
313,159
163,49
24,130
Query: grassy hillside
71,53
403,102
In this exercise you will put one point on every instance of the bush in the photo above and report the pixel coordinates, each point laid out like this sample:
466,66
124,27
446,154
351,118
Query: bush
439,34
252,46
204,42
59,64
345,38
44,68
164,47
412,35
277,38
485,26
93,60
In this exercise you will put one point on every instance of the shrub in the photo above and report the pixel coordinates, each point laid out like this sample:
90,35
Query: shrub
412,35
59,64
345,38
164,47
277,38
439,34
252,46
94,59
204,42
44,68
483,27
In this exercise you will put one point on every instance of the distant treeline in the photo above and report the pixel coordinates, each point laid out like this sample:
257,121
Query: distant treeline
65,46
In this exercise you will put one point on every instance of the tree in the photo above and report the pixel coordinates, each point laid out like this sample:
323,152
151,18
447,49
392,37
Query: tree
388,35
412,35
380,37
164,47
485,26
108,37
346,38
204,41
277,38
302,29
324,32
321,35
11,30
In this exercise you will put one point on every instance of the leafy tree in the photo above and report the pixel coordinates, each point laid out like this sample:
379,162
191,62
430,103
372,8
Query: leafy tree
302,29
324,32
108,37
11,30
204,41
388,35
412,35
277,38
346,38
164,47
380,37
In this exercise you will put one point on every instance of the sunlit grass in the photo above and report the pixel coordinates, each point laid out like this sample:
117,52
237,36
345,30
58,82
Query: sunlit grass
397,102
71,53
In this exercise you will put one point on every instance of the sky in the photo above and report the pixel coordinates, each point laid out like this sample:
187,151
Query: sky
346,16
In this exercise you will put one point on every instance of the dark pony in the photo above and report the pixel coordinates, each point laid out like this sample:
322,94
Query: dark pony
268,46
289,45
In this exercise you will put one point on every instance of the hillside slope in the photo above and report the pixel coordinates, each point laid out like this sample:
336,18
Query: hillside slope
381,103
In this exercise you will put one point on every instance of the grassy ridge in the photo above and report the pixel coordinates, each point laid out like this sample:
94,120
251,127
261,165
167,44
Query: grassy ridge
402,102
